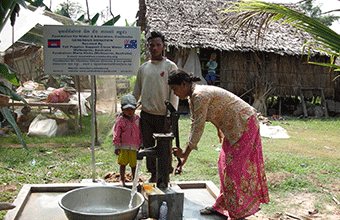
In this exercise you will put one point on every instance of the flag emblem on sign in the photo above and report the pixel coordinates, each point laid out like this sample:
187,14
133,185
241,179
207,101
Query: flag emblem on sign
130,44
53,43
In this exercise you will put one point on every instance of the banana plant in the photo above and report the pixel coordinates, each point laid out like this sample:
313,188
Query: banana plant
10,9
95,18
112,21
248,12
10,75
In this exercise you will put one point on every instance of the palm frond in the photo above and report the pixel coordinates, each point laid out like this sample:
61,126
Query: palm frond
325,64
248,12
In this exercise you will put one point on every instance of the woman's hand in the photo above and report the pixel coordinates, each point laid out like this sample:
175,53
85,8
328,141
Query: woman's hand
178,152
179,169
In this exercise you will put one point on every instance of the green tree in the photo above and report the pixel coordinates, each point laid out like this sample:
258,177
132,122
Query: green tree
248,12
70,9
106,14
316,13
38,3
75,11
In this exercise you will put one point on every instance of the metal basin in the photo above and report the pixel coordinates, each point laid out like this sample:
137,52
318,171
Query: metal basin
100,203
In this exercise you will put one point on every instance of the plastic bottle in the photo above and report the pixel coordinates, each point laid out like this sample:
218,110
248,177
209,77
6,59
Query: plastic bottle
163,211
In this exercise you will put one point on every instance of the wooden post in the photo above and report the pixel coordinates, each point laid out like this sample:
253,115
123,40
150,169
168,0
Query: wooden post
79,103
115,94
280,103
95,111
93,119
323,99
303,104
323,102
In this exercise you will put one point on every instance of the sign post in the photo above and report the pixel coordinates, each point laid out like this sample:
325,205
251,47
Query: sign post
91,50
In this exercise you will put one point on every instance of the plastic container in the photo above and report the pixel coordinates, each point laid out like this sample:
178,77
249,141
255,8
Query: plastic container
163,211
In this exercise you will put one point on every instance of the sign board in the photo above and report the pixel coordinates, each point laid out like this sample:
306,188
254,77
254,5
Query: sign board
91,50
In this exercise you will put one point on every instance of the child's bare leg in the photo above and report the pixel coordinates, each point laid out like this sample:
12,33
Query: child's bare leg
122,175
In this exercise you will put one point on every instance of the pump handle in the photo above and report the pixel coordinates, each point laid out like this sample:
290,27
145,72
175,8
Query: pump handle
174,115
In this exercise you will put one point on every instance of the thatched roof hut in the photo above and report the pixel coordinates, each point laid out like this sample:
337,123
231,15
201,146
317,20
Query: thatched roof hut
26,59
274,64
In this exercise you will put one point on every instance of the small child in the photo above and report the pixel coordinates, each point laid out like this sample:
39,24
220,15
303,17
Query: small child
212,65
127,136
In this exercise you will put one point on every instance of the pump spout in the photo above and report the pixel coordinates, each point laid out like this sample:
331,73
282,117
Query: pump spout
162,153
146,152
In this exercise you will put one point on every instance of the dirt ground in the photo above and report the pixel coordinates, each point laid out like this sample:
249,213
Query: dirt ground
299,205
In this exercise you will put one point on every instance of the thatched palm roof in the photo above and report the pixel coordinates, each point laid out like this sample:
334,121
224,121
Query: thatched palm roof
196,23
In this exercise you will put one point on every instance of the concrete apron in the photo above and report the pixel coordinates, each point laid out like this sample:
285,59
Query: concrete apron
40,201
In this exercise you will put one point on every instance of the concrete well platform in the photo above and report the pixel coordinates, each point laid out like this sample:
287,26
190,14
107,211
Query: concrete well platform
40,201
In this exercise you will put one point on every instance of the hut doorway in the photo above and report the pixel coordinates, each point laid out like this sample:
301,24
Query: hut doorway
204,56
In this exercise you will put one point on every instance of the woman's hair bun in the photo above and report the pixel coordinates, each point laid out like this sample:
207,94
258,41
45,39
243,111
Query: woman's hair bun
194,78
178,76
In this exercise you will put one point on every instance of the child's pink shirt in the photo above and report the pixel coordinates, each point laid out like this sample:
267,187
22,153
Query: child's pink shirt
127,134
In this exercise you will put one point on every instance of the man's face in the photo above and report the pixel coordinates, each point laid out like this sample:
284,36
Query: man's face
156,47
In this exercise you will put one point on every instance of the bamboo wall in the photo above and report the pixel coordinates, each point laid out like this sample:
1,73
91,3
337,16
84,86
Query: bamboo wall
285,74
27,62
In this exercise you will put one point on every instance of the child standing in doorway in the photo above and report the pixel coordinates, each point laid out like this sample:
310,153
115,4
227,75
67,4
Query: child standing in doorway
212,65
127,136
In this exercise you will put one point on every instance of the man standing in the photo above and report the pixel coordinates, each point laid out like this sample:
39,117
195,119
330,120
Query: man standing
152,90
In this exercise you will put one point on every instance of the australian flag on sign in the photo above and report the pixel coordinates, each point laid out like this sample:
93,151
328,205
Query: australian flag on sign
53,43
130,44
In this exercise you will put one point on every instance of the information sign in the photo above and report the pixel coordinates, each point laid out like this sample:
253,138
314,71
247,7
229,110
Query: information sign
91,50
